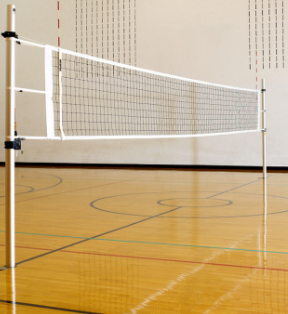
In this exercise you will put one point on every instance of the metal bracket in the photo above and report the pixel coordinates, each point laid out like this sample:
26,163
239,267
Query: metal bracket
16,144
9,34
264,130
263,90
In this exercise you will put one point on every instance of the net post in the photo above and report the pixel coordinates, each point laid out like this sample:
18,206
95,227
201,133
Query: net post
62,135
50,130
264,129
10,138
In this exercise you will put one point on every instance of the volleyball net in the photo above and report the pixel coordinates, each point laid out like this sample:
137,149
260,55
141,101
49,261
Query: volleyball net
92,98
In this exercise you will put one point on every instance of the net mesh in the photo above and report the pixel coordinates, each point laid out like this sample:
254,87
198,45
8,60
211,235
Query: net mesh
102,99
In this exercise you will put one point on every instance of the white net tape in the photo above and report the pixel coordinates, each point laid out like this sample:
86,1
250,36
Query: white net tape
102,99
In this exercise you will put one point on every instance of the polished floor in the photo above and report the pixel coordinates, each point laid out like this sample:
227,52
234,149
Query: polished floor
146,241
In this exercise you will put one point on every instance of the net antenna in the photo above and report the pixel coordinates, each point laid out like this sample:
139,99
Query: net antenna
89,98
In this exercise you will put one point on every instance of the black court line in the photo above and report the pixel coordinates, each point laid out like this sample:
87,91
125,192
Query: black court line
25,186
121,228
32,189
96,236
92,204
241,186
47,307
45,174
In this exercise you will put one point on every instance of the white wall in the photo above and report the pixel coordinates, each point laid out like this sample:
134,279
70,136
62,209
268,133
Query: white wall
200,39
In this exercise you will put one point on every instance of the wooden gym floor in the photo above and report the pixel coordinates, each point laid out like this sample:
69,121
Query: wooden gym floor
120,241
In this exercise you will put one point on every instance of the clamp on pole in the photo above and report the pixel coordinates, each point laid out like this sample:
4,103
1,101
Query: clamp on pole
9,35
16,144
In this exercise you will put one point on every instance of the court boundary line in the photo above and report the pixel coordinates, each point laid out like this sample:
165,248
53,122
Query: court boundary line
158,259
237,187
111,231
47,307
155,243
99,235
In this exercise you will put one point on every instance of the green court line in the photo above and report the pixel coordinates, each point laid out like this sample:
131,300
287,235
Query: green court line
152,243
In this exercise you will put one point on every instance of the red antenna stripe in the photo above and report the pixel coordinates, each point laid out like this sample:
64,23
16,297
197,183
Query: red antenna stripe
58,2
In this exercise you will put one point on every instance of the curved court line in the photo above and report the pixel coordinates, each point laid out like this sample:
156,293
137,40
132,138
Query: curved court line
32,189
195,198
151,243
136,215
43,196
210,217
26,186
45,174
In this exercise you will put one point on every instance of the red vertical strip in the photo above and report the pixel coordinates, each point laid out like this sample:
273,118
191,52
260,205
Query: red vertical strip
58,6
256,70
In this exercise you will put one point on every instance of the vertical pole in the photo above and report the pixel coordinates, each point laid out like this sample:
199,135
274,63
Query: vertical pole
11,290
264,130
9,137
60,76
60,95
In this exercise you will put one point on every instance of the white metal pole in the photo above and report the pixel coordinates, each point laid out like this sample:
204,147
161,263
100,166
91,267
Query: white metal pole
9,137
264,130
264,136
